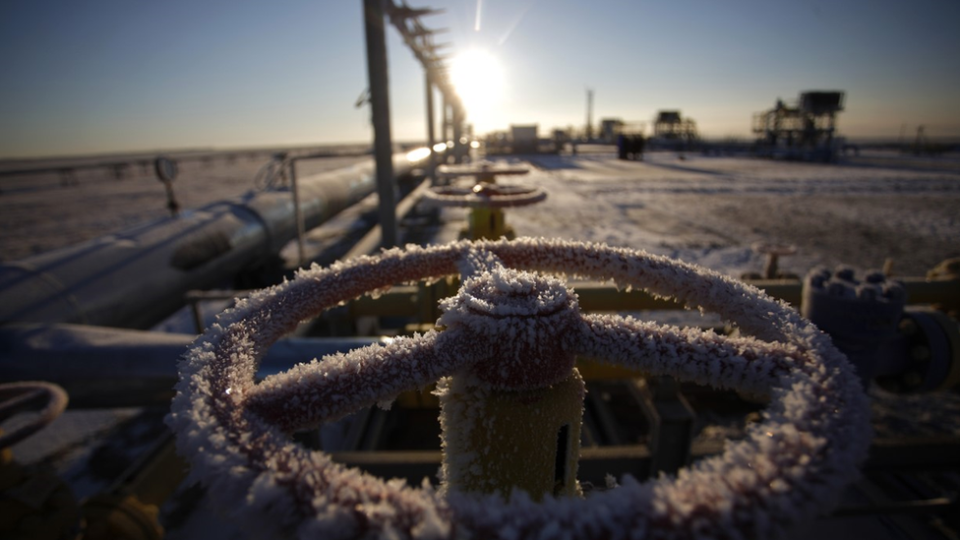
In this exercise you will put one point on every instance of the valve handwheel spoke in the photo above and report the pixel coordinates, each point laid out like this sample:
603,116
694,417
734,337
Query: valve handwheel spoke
236,432
485,196
344,383
743,363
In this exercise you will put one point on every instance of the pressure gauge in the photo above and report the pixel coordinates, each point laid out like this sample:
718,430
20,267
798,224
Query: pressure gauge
166,169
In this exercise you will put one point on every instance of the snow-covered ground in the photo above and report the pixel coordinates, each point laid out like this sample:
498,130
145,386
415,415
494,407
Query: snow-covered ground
38,214
707,210
711,210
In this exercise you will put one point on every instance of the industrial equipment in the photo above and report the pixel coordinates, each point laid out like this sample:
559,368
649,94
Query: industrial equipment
809,447
519,358
806,130
489,280
34,502
486,198
671,126
136,278
610,128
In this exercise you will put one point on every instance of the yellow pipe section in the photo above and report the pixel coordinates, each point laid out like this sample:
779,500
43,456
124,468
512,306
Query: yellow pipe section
130,510
495,441
595,296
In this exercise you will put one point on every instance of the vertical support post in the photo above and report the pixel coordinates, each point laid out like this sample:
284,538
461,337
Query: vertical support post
458,117
589,115
197,315
431,160
671,421
373,11
446,120
297,211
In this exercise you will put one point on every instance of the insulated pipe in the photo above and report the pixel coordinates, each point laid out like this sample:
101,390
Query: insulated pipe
373,239
109,367
136,278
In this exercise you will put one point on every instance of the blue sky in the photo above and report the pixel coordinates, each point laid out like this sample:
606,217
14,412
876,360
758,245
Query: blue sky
109,75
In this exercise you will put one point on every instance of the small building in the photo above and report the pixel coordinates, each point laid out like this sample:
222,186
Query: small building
610,128
524,139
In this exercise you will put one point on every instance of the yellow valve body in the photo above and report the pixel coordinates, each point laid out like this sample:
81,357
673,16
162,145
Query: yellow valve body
35,504
495,441
488,224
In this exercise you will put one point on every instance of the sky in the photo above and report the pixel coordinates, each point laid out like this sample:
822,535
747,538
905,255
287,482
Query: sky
101,76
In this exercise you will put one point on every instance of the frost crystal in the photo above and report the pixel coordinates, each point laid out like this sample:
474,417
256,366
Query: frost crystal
790,466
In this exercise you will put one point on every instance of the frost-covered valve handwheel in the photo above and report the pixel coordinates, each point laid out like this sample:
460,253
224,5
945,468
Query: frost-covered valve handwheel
790,466
485,195
486,202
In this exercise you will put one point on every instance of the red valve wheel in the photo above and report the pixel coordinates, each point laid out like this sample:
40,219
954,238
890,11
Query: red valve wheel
789,467
485,195
49,400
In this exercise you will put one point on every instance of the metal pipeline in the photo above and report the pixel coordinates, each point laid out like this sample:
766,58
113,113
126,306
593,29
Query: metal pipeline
136,278
110,367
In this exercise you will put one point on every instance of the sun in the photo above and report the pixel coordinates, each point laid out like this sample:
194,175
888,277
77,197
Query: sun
478,78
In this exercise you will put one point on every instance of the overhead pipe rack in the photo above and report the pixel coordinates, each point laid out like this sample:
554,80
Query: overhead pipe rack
420,40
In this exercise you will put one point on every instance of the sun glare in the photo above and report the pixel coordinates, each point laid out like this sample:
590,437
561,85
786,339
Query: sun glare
478,78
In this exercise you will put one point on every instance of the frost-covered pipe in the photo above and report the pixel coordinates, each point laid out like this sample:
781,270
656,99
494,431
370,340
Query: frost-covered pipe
135,278
111,367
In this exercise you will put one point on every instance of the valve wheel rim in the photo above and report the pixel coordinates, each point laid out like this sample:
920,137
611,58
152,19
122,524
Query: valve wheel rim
47,399
787,468
498,196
